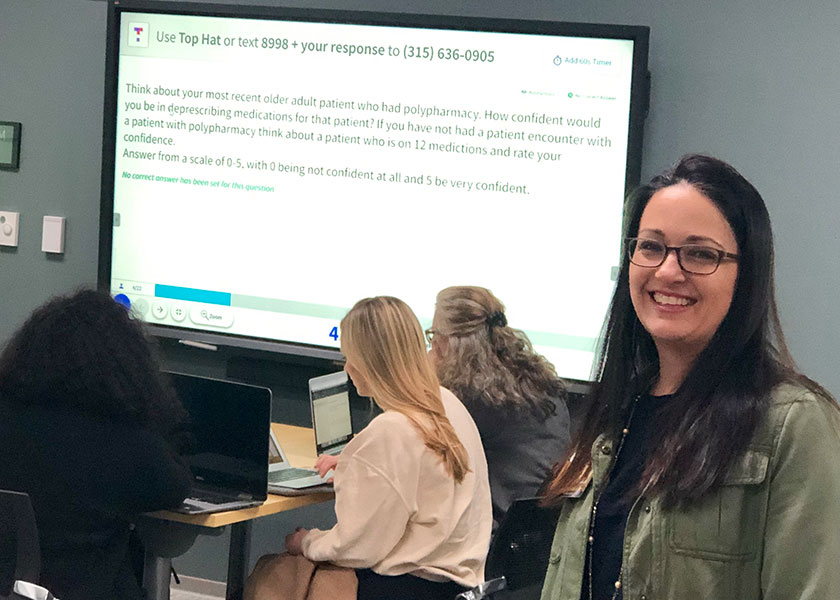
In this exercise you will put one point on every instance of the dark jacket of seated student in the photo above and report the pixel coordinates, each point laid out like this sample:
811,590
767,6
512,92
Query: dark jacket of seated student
521,448
85,422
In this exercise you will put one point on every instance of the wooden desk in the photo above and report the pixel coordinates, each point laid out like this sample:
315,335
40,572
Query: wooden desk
299,445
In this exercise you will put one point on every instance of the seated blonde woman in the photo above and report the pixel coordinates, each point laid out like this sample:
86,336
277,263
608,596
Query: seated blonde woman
412,494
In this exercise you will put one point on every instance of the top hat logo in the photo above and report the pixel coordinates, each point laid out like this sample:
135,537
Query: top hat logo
138,35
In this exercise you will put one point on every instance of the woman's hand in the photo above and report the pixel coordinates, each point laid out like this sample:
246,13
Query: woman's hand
326,463
294,541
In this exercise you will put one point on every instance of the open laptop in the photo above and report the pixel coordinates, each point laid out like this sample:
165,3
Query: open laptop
329,398
281,474
229,424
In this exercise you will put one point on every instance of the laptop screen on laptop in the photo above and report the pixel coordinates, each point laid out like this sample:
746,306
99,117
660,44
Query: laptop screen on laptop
330,399
229,425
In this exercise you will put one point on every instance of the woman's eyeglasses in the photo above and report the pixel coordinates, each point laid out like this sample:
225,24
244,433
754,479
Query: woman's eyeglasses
692,258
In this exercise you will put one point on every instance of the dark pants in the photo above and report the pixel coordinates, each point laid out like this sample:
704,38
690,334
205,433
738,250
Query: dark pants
403,587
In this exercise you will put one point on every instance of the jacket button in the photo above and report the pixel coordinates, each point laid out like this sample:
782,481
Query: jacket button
606,449
642,597
647,510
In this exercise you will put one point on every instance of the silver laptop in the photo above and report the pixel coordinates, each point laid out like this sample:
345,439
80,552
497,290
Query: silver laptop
329,398
281,474
229,425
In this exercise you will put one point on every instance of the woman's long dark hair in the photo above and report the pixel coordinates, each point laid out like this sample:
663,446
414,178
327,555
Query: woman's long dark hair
84,351
710,421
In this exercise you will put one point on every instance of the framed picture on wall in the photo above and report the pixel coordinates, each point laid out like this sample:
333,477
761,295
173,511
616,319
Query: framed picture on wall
9,145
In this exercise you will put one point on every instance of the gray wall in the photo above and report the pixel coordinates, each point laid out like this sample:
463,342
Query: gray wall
755,83
51,80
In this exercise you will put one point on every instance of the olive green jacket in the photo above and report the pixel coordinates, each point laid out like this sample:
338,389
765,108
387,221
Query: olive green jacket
771,531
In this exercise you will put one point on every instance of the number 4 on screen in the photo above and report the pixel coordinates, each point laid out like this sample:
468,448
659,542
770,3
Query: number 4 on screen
334,333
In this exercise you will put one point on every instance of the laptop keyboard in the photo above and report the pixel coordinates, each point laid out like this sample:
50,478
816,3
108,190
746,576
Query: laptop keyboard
289,474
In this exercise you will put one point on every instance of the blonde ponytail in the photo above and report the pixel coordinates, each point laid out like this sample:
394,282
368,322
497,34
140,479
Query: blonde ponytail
439,436
383,338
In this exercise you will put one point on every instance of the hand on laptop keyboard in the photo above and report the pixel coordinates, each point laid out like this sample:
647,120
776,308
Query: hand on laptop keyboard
325,464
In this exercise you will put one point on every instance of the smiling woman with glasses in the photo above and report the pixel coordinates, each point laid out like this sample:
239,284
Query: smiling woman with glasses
707,467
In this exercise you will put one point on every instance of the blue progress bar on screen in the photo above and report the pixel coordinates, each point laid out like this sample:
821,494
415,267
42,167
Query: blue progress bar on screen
192,295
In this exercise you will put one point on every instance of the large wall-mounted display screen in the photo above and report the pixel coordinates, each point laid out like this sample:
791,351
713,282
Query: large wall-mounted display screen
264,169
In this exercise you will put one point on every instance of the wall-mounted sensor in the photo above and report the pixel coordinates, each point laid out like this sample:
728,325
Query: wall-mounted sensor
52,239
9,228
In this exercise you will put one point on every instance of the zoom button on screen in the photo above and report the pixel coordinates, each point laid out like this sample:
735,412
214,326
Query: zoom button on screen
212,316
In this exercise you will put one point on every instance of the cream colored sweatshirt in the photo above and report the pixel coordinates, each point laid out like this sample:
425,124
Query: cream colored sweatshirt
399,511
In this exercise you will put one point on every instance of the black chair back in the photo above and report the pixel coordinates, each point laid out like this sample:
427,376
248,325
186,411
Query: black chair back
522,544
20,550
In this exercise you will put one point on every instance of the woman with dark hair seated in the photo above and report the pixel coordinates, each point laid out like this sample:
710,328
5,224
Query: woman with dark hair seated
708,467
85,418
512,393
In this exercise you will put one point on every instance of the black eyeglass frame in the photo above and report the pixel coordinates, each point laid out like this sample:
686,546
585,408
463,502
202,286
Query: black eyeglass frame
630,246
